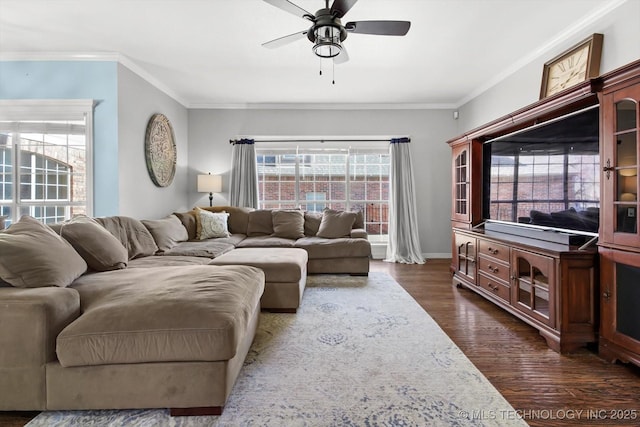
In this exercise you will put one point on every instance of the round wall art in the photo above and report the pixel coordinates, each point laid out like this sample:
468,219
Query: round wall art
160,150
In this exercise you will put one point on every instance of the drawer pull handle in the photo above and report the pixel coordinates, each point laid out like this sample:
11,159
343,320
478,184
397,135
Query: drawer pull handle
492,251
492,287
493,269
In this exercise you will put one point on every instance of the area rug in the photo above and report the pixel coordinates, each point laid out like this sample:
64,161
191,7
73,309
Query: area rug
359,352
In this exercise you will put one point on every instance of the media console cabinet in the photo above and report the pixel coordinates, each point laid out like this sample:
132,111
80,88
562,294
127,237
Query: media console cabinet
551,286
572,296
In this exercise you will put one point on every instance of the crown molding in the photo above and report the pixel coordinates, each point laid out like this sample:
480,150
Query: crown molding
59,56
321,106
561,39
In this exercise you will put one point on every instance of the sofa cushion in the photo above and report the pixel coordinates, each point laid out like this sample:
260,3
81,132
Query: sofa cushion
188,220
260,223
167,261
266,242
131,233
34,256
167,232
322,248
312,222
211,224
238,217
164,314
336,223
205,248
99,248
288,223
280,265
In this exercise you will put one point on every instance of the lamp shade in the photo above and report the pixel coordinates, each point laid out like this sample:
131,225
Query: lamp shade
209,183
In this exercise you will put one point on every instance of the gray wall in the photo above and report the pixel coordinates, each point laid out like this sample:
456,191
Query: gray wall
210,151
139,197
621,45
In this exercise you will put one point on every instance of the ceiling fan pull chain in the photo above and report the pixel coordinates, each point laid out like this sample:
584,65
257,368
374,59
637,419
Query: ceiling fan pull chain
333,66
320,66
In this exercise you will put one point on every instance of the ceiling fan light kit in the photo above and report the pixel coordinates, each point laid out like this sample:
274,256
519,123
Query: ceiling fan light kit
328,41
327,32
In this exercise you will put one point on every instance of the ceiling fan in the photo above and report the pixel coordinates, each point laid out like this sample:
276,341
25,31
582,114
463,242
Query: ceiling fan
327,32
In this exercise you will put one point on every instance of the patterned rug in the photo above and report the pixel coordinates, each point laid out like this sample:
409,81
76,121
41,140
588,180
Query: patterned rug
359,352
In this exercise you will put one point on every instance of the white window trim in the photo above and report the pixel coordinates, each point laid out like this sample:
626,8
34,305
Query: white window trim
57,109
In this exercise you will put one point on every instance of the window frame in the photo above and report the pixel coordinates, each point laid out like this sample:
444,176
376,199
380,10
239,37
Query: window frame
20,110
302,149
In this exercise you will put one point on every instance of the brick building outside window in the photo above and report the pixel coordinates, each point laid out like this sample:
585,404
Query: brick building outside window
336,178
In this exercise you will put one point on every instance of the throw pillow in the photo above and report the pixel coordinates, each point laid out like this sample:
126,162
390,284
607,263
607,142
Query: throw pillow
288,224
211,224
99,248
336,224
167,232
34,256
238,217
359,222
260,223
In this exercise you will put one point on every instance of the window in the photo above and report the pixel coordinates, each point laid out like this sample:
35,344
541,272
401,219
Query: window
337,178
45,160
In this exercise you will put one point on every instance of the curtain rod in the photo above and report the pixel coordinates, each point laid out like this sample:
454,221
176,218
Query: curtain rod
320,140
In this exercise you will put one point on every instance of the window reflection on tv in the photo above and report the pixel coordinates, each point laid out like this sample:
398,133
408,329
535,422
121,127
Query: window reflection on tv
548,175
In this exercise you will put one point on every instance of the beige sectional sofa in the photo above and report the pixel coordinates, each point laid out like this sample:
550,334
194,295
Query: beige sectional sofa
114,313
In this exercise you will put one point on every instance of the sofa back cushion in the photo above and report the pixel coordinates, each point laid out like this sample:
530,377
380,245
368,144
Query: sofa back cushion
99,248
288,224
34,256
188,220
167,232
312,223
131,233
336,224
260,223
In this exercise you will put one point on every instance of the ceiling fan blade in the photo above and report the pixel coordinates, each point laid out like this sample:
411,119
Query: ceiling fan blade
383,28
281,41
287,6
342,58
341,7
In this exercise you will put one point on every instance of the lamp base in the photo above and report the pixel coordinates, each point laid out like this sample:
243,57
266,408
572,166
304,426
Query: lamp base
210,199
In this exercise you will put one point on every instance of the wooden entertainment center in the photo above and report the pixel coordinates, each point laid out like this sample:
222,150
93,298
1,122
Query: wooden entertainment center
574,294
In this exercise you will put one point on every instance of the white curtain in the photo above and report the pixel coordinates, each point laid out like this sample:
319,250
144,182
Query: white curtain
243,188
404,241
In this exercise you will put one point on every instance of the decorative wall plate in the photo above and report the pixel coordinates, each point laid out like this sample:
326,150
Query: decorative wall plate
160,150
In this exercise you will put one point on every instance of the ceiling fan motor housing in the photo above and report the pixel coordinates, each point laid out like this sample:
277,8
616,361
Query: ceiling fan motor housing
324,18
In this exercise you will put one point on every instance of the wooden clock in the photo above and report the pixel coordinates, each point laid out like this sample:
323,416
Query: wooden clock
573,66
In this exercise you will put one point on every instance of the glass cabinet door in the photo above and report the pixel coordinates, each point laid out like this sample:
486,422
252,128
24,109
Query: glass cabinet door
620,167
466,256
461,183
533,285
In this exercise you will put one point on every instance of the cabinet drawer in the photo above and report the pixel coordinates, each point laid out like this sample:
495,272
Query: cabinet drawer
491,267
495,287
494,250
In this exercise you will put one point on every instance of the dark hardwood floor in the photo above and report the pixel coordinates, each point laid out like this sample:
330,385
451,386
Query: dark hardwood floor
546,388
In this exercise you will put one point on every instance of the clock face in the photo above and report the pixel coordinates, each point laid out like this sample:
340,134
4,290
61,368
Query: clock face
568,71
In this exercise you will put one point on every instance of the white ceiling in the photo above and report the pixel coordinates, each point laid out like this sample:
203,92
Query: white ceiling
208,53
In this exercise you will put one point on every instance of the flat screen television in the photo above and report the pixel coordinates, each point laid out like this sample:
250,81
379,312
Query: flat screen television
547,175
